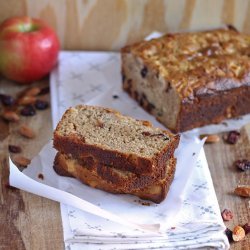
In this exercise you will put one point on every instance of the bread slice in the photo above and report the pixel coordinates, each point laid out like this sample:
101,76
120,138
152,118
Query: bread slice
155,192
100,134
123,180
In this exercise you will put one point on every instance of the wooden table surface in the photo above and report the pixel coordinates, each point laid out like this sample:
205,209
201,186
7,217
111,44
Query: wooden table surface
28,221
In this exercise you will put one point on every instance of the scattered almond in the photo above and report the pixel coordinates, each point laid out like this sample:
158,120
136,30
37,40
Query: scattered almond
211,138
21,161
238,233
34,91
243,190
26,131
10,116
26,100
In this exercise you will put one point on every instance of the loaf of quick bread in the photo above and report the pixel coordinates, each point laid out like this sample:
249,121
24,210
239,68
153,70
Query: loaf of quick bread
188,80
115,153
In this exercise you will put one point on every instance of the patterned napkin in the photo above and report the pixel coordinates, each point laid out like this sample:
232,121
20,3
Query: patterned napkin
94,78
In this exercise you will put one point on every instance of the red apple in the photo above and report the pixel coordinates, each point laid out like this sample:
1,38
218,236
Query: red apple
28,49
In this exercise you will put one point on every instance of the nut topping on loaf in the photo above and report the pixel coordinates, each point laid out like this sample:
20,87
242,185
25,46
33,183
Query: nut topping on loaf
170,75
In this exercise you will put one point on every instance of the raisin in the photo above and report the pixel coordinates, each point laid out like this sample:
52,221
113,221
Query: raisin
144,72
229,234
7,100
44,91
123,77
14,149
227,215
146,133
41,105
246,227
115,96
40,176
242,164
232,137
28,111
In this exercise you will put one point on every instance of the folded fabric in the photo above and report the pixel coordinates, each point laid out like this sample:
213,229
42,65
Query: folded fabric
94,78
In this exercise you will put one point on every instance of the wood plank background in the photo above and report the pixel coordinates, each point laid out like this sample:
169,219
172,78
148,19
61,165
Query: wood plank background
110,24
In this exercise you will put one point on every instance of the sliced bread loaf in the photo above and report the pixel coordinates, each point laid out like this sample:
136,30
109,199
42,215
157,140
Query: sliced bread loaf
102,134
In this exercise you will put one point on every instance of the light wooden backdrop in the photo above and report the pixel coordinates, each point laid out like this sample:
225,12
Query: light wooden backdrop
110,24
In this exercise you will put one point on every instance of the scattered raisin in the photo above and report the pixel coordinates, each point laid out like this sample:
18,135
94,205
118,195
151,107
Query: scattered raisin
40,176
123,77
7,100
28,111
14,149
115,96
242,164
246,227
232,137
41,105
44,91
227,215
229,234
144,72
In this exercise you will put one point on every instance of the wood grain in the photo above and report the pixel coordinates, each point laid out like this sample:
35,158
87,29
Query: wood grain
110,24
221,157
27,221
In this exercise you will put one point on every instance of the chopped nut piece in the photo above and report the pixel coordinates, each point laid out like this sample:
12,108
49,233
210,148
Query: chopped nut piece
242,190
14,149
21,161
10,116
242,164
238,233
25,100
227,215
26,132
211,138
232,137
34,91
246,227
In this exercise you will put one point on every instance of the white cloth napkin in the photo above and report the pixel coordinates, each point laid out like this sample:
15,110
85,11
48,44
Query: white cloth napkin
189,217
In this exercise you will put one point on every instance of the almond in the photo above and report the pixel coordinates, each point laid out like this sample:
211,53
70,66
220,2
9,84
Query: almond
238,233
26,131
211,138
26,100
34,91
21,161
243,190
10,116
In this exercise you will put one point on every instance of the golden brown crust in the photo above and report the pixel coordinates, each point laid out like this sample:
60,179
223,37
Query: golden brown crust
156,191
133,163
198,62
